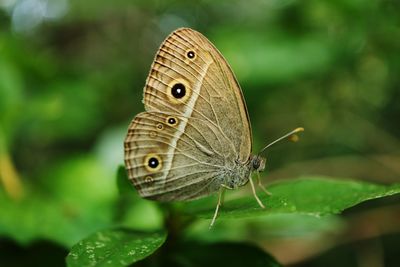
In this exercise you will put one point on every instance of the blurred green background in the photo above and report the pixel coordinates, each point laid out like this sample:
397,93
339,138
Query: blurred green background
71,79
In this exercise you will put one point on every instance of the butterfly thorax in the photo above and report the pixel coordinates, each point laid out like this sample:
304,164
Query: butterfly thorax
239,174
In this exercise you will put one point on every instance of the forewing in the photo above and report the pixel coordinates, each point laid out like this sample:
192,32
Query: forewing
212,93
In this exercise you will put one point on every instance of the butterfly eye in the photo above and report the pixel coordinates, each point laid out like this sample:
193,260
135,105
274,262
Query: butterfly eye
152,162
256,164
172,120
191,54
178,90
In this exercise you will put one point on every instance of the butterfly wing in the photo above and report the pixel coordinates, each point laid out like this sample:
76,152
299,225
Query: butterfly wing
212,91
165,162
191,81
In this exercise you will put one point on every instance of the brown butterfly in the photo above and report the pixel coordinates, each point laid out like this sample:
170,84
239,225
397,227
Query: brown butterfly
194,138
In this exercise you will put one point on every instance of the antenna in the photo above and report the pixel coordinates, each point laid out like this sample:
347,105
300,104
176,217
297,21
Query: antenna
291,135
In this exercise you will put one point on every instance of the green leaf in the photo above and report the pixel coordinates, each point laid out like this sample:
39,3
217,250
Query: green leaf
115,247
315,196
272,226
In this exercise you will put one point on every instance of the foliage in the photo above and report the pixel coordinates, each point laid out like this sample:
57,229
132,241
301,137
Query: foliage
114,248
308,196
71,79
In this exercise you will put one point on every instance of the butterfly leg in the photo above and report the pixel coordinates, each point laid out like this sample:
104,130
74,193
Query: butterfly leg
220,199
220,202
255,194
262,186
223,193
227,187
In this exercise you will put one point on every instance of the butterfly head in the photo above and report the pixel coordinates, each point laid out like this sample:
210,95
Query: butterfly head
258,163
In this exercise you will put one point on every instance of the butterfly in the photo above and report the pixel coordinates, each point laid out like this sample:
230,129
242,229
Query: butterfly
194,138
